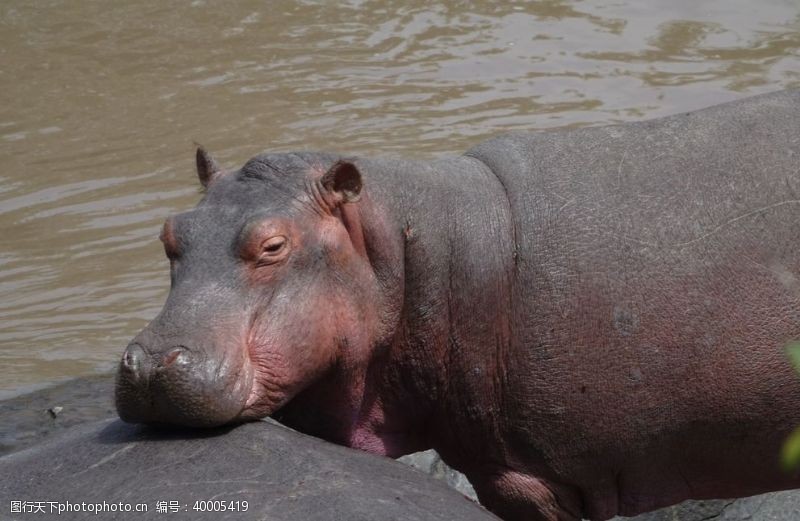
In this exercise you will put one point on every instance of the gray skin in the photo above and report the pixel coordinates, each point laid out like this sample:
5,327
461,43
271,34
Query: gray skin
586,323
281,474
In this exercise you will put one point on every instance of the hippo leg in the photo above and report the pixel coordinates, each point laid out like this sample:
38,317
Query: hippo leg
514,496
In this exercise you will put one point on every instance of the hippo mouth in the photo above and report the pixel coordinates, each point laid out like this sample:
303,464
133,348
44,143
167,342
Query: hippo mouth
266,395
181,386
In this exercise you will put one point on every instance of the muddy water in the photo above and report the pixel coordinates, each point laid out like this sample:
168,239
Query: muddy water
99,106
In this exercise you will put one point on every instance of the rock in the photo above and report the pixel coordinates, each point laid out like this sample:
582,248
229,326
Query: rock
777,506
24,422
431,463
279,473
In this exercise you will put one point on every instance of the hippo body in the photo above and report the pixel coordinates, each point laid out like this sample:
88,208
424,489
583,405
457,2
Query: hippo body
654,289
585,322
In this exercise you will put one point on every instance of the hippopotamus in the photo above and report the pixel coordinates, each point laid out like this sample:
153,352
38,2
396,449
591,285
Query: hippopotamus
585,322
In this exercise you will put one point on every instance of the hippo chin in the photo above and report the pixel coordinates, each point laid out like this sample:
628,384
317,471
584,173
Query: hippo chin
586,323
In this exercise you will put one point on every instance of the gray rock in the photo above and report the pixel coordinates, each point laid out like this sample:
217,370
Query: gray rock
431,463
24,422
777,506
281,474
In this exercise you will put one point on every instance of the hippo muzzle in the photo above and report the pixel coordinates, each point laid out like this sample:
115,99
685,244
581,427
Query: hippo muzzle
180,385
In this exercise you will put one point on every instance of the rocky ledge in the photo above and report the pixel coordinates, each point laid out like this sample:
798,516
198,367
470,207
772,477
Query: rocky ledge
55,450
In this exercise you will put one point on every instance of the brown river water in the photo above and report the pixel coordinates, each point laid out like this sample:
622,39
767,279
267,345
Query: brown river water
100,103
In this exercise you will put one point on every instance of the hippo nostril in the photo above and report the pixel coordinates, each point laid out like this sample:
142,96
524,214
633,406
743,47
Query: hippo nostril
171,356
132,358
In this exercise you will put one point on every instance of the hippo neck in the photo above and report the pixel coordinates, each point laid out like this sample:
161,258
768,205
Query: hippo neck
453,332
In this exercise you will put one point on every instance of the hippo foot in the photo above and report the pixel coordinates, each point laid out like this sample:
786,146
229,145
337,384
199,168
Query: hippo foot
513,495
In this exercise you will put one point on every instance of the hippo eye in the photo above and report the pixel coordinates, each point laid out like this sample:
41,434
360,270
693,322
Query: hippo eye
272,250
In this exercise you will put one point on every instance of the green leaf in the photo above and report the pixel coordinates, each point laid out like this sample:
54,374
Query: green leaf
790,453
793,352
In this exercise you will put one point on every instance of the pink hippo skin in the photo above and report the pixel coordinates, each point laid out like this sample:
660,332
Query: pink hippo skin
586,323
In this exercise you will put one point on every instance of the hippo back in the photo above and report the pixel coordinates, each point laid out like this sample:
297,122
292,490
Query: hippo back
655,288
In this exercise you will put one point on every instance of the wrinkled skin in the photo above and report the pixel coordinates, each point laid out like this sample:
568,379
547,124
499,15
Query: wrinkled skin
586,323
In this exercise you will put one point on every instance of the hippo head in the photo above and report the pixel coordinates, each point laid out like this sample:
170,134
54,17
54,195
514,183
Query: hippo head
272,291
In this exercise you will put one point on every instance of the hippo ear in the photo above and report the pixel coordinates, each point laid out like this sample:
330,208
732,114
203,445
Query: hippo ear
207,168
343,182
